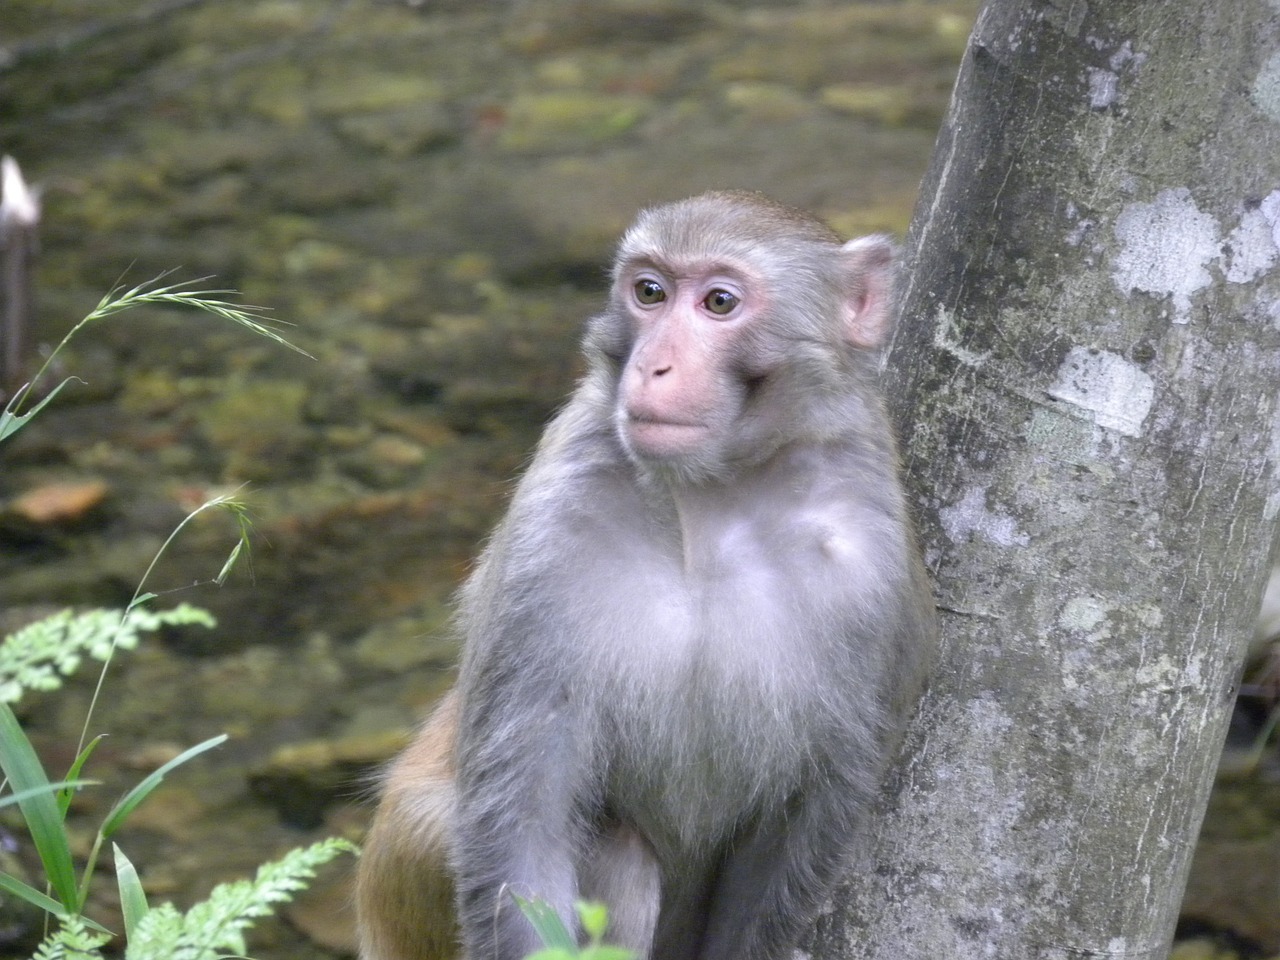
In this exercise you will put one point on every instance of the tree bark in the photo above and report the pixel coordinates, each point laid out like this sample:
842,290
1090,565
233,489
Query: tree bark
1086,376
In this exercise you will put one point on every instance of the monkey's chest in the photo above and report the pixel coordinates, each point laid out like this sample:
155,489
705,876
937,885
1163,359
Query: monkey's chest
717,682
705,739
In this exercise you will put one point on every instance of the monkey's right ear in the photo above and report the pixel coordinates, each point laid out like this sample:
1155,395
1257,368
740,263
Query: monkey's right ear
870,266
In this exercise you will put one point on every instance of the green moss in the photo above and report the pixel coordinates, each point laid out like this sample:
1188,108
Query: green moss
260,425
888,105
373,93
567,119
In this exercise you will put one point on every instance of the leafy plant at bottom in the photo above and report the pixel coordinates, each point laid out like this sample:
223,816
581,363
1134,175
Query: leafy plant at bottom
559,943
38,656
74,941
218,923
206,931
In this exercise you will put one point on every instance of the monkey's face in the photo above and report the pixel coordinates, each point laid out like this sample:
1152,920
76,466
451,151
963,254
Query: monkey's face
686,379
730,330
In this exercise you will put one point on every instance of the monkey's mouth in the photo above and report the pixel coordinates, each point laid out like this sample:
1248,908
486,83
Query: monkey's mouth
653,437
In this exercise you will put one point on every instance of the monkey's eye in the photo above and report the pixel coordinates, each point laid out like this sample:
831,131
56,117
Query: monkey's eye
649,291
720,302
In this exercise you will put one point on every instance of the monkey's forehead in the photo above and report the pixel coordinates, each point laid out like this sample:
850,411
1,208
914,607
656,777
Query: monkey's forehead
722,220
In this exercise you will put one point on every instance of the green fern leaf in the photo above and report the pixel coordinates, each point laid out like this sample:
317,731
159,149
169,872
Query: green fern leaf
73,940
217,926
39,655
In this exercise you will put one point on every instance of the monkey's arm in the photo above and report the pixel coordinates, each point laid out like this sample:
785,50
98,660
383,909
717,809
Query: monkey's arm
523,750
519,822
529,747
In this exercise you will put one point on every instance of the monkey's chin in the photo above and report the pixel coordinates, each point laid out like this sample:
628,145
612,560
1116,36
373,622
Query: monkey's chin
664,441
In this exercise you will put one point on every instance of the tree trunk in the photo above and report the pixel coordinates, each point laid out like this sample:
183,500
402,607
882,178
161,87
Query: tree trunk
1086,377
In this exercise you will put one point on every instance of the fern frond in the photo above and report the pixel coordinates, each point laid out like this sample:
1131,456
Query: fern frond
158,933
217,926
39,655
73,940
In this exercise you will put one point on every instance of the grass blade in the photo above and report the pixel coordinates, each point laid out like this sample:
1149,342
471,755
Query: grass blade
11,421
22,891
39,809
67,790
129,802
62,785
221,578
133,899
547,924
30,894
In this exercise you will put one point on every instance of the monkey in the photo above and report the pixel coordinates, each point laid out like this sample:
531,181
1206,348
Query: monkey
404,890
692,644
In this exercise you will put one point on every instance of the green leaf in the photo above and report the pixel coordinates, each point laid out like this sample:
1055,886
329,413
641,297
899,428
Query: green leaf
221,578
67,791
129,802
40,654
133,899
12,798
74,940
33,896
216,926
11,421
30,894
39,809
547,924
594,918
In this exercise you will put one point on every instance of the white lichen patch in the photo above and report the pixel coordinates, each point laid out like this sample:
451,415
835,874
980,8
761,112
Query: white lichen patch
1115,393
944,338
1126,57
1165,247
1254,246
1164,675
1266,88
1103,85
970,516
1085,615
1148,615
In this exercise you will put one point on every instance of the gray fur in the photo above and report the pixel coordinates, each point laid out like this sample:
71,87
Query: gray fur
682,680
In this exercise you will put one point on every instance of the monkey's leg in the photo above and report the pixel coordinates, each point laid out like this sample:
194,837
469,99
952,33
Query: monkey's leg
404,891
775,878
621,870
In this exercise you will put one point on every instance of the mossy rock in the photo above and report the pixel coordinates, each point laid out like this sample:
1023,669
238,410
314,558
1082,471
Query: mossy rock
565,119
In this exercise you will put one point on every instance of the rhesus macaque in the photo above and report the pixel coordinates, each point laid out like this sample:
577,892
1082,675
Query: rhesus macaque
693,642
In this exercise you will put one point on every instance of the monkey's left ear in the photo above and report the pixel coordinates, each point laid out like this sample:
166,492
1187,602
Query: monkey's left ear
870,264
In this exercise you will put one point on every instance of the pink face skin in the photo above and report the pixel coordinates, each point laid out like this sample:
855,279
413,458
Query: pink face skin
677,389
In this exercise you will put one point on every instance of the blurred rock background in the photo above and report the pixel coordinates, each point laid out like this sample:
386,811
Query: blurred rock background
430,193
